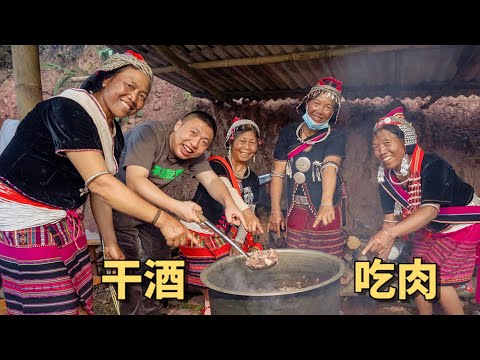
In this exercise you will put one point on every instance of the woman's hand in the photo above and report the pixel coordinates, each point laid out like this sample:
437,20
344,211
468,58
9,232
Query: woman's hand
326,214
253,223
234,215
381,244
276,222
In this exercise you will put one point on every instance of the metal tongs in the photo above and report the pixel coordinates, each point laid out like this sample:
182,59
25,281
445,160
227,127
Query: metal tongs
212,227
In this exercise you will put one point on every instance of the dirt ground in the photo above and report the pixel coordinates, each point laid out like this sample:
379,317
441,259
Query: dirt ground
350,303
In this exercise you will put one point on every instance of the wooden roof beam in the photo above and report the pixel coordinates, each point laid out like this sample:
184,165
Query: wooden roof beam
187,71
293,57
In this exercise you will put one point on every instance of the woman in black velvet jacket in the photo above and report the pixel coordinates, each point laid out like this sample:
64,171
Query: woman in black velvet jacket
66,147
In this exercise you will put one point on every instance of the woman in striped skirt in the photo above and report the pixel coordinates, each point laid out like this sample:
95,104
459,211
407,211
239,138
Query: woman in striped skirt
308,155
66,147
422,195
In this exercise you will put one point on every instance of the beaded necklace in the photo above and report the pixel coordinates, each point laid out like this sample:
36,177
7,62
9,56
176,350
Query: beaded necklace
394,182
237,175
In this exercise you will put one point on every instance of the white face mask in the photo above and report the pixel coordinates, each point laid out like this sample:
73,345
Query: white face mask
312,125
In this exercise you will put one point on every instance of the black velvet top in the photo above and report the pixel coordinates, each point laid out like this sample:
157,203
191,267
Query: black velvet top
440,185
334,144
34,162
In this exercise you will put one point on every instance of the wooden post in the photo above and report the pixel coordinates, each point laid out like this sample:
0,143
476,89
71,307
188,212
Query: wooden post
28,82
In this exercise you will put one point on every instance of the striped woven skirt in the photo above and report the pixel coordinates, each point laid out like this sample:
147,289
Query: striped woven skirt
454,253
197,257
45,271
301,234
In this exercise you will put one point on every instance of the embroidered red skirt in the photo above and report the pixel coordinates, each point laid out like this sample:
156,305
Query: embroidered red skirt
211,248
45,269
45,273
302,235
454,253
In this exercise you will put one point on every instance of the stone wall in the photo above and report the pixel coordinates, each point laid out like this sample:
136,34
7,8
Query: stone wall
448,127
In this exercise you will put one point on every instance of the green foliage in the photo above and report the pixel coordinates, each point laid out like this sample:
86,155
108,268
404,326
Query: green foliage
187,96
105,53
65,80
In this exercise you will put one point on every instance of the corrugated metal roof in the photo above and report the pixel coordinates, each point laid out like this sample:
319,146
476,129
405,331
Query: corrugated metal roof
263,72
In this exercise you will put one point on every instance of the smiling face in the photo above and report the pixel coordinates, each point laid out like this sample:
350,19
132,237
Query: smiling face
124,93
244,147
321,108
388,148
190,138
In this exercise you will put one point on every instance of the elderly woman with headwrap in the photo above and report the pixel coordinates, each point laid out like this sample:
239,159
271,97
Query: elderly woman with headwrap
308,154
66,147
421,193
242,144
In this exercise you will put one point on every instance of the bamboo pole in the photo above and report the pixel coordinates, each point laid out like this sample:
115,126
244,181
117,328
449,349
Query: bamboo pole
28,81
294,57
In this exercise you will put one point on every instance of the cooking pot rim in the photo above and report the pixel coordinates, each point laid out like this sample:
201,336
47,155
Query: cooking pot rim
228,259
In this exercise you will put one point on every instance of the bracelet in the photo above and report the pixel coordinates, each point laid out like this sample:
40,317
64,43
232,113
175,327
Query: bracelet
390,221
277,174
329,164
326,204
157,215
85,190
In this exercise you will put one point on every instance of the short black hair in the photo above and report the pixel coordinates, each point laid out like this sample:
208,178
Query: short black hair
205,117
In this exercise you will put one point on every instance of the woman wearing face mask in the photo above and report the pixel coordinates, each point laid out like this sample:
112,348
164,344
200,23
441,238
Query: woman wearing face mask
308,155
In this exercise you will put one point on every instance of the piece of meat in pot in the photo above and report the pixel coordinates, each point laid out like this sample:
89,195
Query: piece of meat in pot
261,259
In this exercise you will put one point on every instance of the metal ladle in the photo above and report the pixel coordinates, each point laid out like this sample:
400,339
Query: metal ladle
217,231
211,226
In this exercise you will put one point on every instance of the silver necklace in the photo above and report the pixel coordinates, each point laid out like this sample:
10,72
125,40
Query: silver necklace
298,132
237,175
395,183
398,174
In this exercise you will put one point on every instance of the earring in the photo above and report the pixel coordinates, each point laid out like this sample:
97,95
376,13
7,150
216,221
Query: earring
380,174
405,165
253,158
229,153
